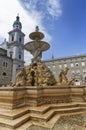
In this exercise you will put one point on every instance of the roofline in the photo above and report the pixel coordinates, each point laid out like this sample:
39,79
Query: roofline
16,30
5,56
3,49
65,58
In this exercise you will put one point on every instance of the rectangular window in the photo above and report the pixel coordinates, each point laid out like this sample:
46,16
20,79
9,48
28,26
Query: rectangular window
10,55
72,65
20,39
5,64
49,67
83,63
19,56
60,66
84,71
78,72
12,37
73,72
65,65
53,66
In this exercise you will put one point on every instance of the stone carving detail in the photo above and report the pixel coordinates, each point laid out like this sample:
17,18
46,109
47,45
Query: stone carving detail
20,78
37,54
63,80
36,74
55,100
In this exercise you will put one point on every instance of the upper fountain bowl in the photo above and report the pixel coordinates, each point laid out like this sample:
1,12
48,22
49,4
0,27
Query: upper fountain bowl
36,35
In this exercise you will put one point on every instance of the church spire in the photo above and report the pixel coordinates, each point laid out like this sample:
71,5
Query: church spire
17,24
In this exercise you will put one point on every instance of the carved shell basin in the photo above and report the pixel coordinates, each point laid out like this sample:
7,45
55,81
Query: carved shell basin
31,46
36,35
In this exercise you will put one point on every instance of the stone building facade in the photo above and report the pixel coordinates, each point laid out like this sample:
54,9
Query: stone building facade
12,54
5,68
76,65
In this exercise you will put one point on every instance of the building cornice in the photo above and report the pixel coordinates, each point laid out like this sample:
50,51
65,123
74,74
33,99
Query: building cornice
16,30
65,58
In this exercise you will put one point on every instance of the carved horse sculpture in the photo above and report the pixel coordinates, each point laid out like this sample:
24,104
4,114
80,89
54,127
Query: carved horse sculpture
62,76
21,78
63,80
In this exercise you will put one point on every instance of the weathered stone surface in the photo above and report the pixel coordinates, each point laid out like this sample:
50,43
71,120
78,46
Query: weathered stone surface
74,122
5,69
13,97
41,107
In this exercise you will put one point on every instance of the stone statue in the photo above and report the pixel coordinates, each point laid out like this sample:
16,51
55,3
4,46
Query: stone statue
37,55
36,74
63,80
37,29
20,78
62,76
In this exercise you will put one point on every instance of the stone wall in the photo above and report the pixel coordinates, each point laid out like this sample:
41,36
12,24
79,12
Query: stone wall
11,98
5,70
35,96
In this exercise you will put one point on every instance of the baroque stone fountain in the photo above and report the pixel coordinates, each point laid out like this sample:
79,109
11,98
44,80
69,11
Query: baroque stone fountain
37,73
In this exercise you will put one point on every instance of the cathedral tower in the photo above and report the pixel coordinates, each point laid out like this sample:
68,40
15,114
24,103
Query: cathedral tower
15,48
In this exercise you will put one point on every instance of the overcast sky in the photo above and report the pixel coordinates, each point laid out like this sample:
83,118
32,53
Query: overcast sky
62,21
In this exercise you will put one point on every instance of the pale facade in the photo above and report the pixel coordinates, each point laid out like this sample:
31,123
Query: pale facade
76,65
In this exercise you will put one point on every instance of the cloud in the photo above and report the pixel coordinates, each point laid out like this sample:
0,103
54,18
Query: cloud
43,7
54,8
31,12
8,12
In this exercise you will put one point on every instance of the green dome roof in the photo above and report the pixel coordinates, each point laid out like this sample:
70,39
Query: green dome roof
17,23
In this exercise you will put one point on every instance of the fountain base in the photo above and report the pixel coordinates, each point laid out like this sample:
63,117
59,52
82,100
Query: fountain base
23,107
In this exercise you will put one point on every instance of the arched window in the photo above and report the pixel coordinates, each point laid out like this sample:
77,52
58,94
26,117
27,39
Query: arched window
77,64
77,82
19,66
12,37
3,64
4,74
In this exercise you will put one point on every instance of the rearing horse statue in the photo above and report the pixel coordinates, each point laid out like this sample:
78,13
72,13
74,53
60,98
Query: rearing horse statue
63,80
